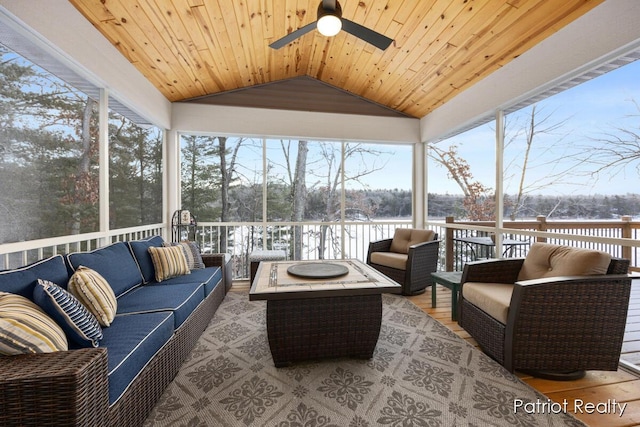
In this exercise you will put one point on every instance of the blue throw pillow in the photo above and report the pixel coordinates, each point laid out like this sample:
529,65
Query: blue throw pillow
76,321
140,251
114,262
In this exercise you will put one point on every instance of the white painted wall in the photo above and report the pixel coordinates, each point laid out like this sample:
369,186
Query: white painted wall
259,122
606,32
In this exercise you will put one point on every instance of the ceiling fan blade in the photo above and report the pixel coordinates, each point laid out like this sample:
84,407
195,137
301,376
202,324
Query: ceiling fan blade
292,36
372,37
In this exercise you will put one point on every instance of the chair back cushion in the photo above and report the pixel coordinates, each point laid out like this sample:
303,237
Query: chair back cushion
405,237
547,260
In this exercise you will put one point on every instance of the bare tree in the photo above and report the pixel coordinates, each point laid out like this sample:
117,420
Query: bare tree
616,150
85,183
331,179
557,171
537,152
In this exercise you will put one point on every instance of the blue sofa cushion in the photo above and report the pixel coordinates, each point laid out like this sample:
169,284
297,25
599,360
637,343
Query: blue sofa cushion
22,281
76,321
114,262
180,299
131,342
209,277
140,250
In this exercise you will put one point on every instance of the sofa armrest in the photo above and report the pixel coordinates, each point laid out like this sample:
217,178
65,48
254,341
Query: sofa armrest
61,388
213,260
224,262
492,271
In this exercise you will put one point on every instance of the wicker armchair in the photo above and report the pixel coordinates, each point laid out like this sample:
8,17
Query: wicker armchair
552,327
409,258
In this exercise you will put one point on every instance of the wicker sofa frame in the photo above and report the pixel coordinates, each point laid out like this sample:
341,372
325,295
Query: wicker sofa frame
557,327
74,383
421,262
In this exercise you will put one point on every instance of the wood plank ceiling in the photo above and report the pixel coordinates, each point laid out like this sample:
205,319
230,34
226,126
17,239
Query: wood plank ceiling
193,48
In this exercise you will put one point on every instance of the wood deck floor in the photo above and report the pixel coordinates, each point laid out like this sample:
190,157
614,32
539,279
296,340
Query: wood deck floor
595,387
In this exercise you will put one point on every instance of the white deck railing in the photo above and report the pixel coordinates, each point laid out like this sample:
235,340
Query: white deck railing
13,255
341,239
349,239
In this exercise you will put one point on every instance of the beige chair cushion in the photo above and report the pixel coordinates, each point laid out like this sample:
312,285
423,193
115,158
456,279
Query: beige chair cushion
405,237
390,259
493,298
546,260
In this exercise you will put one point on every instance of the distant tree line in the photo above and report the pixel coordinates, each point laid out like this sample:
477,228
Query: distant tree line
557,207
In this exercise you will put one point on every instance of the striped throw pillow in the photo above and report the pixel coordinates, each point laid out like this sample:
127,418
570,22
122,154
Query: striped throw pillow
94,292
168,262
25,328
191,253
76,321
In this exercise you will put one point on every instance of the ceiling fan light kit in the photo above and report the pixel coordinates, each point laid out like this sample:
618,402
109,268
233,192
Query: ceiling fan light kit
329,23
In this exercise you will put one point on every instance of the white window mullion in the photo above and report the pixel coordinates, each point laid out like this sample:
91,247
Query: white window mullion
103,149
264,193
499,196
343,201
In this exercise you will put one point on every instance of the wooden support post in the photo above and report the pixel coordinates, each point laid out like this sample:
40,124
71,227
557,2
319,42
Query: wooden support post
449,245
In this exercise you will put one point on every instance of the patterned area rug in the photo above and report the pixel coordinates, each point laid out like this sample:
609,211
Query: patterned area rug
422,374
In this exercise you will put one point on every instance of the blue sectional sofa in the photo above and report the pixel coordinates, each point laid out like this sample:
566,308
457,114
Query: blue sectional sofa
119,382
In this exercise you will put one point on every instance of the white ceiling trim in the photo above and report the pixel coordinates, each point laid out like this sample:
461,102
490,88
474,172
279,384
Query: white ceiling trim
261,122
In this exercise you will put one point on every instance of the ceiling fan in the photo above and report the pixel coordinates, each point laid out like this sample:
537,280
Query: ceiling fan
330,22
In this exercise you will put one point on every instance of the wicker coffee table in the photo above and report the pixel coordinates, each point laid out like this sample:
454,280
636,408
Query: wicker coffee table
312,318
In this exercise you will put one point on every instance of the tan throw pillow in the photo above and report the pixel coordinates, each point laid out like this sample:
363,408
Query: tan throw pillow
94,292
168,262
25,328
547,260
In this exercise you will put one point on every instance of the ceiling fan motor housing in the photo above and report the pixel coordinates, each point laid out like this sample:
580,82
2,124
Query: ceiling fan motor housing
335,12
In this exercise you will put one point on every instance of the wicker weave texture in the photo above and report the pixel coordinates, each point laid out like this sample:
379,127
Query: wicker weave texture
487,331
422,261
554,324
578,325
71,388
54,389
315,328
